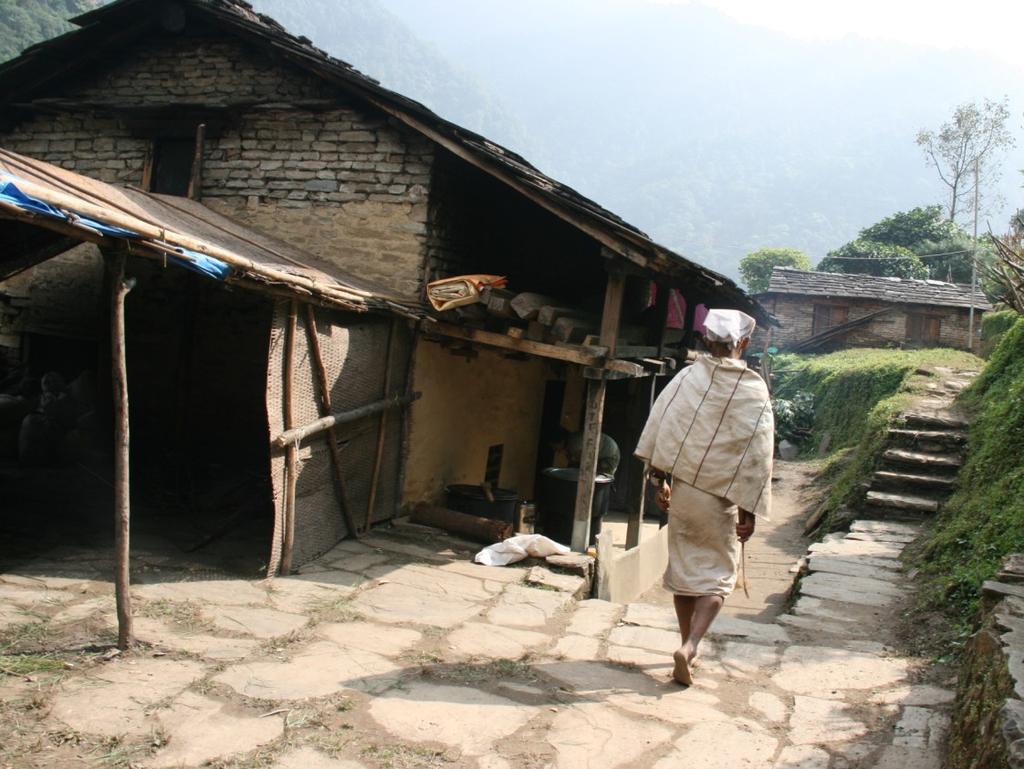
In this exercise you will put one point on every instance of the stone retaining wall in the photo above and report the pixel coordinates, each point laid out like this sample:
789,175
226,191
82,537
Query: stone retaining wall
988,722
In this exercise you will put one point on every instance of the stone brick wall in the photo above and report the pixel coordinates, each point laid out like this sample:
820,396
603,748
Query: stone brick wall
796,316
344,183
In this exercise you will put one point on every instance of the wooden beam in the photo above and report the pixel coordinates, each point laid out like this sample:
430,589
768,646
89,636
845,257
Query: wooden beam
290,458
195,182
119,289
24,245
566,353
594,418
325,409
298,434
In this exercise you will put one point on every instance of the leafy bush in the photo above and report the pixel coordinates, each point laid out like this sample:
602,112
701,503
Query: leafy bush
794,418
984,520
993,326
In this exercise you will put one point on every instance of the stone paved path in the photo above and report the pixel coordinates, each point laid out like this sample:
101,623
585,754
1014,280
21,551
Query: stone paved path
398,652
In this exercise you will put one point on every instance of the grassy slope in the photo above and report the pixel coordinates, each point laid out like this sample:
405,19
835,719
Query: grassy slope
984,520
857,395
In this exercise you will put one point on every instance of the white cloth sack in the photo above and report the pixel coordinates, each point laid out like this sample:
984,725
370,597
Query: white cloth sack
519,547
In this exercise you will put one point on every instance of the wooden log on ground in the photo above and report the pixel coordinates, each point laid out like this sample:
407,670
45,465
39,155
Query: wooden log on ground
486,531
119,289
325,410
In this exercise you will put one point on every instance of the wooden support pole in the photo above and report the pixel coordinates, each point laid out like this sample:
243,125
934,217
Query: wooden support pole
325,410
195,182
290,458
381,429
299,434
636,513
594,418
119,289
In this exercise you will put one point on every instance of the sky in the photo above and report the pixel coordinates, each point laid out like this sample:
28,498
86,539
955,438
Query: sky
991,26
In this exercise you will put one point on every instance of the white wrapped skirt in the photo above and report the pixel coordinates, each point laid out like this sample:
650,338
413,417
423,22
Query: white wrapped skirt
703,551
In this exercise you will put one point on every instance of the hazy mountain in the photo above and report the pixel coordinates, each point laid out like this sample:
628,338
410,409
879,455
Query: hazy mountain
715,137
25,22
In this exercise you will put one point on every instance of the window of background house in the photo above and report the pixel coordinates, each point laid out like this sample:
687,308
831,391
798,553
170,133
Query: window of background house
172,166
923,330
828,315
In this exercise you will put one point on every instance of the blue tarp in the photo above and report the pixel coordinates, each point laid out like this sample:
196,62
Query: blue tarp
190,260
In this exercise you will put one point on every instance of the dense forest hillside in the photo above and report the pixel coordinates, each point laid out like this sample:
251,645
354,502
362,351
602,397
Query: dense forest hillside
715,137
24,22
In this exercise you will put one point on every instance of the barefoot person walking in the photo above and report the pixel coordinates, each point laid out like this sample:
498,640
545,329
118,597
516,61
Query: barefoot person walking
709,443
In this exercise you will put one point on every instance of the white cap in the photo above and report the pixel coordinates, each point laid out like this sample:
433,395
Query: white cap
729,326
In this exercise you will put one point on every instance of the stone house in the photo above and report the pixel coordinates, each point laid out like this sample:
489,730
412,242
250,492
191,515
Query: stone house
824,311
279,146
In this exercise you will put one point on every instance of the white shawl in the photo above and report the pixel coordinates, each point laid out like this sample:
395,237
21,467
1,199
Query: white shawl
712,427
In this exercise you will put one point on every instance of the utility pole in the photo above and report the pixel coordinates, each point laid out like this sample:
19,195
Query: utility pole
974,263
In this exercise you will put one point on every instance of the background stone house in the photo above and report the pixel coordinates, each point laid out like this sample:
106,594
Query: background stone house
210,100
824,311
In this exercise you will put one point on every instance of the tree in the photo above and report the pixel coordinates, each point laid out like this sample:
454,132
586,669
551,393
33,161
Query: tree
969,143
914,229
868,257
756,267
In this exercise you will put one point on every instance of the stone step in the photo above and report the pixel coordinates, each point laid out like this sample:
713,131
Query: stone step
902,502
923,459
884,526
888,479
932,422
928,438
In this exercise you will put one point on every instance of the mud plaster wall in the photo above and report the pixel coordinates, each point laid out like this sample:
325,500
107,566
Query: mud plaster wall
344,183
467,407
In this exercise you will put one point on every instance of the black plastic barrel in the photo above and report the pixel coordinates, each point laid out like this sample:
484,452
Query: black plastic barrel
472,500
556,503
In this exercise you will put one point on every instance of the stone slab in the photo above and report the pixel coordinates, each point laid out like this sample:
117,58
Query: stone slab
895,757
481,639
673,704
506,574
820,626
821,721
892,527
321,669
527,607
165,636
591,736
367,636
218,592
297,594
643,637
595,678
467,719
401,604
867,585
757,632
720,745
651,615
882,536
114,699
827,672
769,706
740,659
808,606
433,580
802,757
308,758
922,728
830,587
593,617
576,647
917,694
568,583
200,729
256,621
851,568
856,548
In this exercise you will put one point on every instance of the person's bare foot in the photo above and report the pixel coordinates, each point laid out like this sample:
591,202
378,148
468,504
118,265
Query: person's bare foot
681,670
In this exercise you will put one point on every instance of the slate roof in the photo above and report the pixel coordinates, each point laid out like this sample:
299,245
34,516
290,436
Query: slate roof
786,280
106,30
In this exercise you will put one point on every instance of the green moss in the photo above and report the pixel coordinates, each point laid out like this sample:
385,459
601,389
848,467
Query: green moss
984,520
993,326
